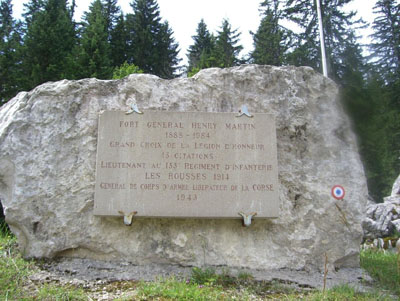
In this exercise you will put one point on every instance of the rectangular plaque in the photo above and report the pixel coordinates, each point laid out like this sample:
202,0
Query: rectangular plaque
174,164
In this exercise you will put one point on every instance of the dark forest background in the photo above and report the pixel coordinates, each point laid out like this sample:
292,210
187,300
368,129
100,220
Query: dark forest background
49,45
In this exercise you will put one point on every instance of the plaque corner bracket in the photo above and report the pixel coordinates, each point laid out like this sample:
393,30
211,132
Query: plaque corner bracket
133,109
128,217
247,218
244,111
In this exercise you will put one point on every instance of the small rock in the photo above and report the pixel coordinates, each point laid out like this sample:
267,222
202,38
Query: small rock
396,188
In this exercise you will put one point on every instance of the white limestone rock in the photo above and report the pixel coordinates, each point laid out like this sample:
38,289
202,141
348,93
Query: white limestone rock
383,218
48,142
396,188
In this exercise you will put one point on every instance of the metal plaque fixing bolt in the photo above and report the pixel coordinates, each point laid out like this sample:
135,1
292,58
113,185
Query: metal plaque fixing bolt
134,108
128,217
244,111
247,218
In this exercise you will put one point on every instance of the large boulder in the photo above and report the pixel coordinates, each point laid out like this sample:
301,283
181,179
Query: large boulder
383,219
48,140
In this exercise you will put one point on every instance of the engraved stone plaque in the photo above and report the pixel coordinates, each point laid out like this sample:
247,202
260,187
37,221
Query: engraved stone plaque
175,164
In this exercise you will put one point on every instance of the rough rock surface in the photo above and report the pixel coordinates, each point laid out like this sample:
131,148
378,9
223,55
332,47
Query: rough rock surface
383,218
48,142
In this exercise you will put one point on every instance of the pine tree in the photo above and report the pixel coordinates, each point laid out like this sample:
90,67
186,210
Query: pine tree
167,53
72,9
338,30
365,102
200,53
386,38
305,52
226,49
95,49
383,149
48,42
377,126
112,12
151,45
119,42
31,8
10,53
271,41
353,66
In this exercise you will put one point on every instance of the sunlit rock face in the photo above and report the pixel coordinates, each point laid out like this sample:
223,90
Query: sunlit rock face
48,140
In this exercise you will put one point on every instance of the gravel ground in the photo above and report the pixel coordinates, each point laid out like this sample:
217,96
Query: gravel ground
109,280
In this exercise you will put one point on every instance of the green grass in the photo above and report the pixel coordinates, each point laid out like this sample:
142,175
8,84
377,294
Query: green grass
203,284
172,289
276,290
205,276
343,292
13,268
62,293
384,268
15,271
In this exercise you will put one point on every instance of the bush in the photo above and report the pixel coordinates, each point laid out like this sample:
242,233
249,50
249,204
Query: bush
125,69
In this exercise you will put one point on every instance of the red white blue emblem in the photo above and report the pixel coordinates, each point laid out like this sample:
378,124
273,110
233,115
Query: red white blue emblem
338,192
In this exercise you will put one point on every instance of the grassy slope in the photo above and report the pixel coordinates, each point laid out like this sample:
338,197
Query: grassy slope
204,284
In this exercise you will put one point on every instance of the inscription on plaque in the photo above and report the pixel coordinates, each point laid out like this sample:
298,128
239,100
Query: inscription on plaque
174,164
